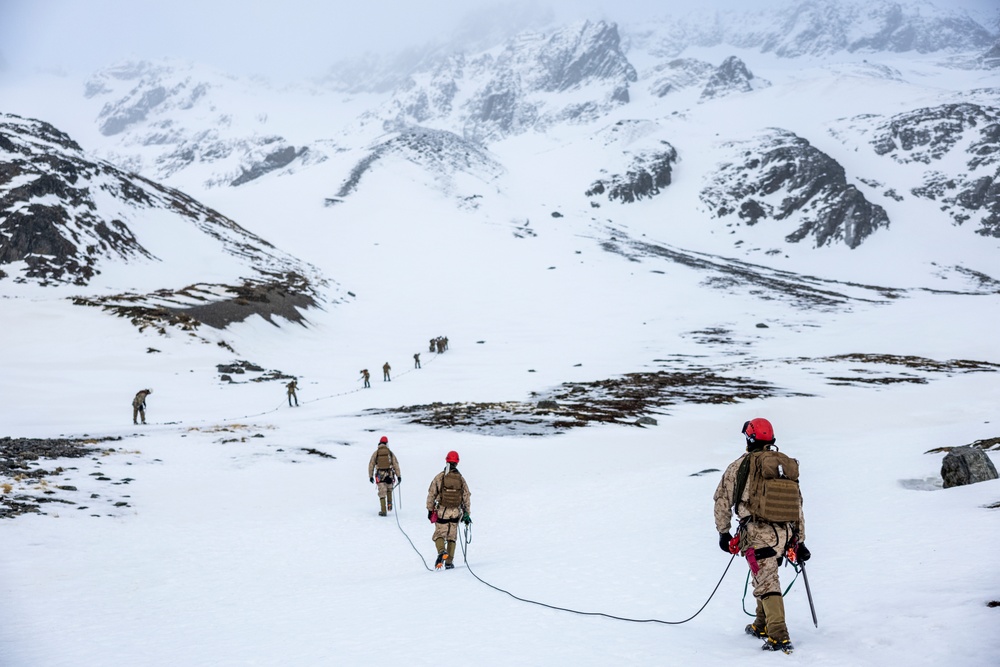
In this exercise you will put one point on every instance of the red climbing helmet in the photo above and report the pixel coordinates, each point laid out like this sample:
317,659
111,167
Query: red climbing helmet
759,430
452,457
383,440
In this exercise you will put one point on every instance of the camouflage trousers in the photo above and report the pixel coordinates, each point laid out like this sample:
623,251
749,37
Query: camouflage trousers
763,535
447,530
385,491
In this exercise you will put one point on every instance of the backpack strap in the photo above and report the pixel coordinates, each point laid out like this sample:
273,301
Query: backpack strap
741,481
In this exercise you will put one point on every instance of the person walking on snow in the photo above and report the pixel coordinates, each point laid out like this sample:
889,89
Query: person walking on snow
385,372
448,501
366,376
416,360
383,469
291,386
762,542
139,405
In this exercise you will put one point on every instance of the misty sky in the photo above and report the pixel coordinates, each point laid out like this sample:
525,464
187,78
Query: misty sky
280,38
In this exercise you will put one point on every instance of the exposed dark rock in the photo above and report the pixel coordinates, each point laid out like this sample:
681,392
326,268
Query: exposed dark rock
19,462
647,175
969,132
441,153
50,219
280,157
679,74
782,176
966,465
732,76
622,400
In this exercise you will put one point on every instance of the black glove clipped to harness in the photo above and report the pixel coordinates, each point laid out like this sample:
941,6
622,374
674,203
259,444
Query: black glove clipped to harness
429,513
399,478
371,479
802,553
724,540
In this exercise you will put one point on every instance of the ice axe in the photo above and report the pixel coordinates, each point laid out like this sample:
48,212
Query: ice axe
805,580
793,558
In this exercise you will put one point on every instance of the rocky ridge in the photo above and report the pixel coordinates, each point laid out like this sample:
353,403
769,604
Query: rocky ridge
780,176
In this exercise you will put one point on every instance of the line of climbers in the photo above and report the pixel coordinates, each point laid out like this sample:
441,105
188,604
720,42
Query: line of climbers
439,344
448,498
761,488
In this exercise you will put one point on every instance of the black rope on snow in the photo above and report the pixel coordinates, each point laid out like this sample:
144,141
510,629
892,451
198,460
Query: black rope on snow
395,513
465,556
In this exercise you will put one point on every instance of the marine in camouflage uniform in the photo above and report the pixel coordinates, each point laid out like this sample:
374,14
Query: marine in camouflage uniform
383,469
291,386
139,405
385,372
449,497
767,540
366,376
416,360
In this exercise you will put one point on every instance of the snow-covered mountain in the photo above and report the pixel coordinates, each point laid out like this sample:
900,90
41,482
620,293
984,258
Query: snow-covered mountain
634,236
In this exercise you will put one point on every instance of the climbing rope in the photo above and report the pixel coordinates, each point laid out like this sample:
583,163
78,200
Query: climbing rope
468,539
395,513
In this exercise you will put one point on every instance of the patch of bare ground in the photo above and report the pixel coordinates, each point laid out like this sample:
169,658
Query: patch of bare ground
620,400
886,369
284,295
26,484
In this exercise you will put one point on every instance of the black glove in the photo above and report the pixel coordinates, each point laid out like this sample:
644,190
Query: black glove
802,553
466,519
399,478
724,539
429,513
371,479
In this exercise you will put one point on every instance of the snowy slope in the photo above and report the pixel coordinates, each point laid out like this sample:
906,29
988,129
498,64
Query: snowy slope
220,534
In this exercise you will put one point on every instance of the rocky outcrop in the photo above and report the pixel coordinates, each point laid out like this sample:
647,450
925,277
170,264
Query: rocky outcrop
648,174
780,176
440,153
731,77
960,145
510,90
276,158
50,225
823,27
680,74
63,215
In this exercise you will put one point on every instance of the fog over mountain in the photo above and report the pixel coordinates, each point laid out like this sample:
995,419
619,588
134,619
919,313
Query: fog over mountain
585,241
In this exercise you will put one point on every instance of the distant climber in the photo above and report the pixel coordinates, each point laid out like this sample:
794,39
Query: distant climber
292,386
416,360
383,469
385,372
366,376
139,405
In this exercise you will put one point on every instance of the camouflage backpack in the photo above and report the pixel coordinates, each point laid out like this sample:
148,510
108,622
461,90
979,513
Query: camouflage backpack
451,489
771,480
384,461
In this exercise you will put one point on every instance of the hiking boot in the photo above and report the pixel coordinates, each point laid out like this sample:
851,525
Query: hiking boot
381,512
449,566
782,645
759,633
440,561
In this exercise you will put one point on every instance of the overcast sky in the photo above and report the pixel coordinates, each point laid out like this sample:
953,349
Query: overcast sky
281,38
